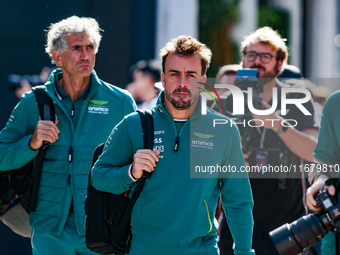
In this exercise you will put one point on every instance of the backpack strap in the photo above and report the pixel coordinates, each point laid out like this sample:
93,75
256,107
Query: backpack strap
45,104
96,154
46,112
147,126
148,136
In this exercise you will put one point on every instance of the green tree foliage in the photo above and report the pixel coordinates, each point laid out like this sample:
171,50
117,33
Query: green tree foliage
278,19
216,19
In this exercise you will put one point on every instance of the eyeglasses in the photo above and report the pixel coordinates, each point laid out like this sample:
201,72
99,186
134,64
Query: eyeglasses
264,57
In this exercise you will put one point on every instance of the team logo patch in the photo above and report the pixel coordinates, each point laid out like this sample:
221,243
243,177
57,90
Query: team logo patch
203,136
98,107
202,141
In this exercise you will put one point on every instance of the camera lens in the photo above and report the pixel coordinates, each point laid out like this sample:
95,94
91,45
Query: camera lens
293,238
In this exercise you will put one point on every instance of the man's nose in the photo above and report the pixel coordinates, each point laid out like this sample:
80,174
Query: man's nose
84,53
183,82
258,59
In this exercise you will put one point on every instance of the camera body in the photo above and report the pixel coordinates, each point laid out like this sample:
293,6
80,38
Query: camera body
331,208
293,238
247,78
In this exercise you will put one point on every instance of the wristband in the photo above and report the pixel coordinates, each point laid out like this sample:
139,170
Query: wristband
282,129
131,175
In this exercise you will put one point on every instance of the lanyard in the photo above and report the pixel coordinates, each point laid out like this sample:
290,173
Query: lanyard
263,135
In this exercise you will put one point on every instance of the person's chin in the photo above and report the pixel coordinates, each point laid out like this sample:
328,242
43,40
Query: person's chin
85,70
182,103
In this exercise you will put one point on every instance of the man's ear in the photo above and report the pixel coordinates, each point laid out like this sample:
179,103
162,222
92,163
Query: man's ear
204,78
57,58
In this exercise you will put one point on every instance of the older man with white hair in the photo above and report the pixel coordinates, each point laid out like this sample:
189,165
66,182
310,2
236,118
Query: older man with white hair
86,110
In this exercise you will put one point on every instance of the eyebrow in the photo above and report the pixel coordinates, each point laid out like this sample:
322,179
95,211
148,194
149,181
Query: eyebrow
176,71
80,46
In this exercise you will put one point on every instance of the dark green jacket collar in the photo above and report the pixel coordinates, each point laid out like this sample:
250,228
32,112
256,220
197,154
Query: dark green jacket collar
53,86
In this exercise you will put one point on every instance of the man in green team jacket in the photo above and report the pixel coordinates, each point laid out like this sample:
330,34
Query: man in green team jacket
175,212
86,109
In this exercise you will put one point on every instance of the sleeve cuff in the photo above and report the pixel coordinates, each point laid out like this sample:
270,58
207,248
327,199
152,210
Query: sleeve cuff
29,150
126,176
130,174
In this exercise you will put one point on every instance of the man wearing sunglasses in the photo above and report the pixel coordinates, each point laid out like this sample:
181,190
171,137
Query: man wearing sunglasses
278,199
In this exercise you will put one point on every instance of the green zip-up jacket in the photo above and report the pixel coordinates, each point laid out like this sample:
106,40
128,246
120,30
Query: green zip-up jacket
328,150
68,160
175,212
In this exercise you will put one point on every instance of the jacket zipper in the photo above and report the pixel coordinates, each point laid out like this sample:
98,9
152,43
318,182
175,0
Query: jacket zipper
176,143
176,146
72,111
70,154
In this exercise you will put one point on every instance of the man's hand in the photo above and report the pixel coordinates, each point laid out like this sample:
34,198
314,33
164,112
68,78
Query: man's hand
312,190
45,130
144,160
270,121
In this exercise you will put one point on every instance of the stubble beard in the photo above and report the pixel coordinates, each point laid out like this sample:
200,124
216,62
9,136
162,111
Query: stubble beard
267,75
182,103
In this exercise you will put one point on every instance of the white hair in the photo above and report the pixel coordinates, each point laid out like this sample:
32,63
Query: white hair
57,32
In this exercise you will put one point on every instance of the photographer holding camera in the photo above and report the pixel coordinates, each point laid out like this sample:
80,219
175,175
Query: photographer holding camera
327,158
276,200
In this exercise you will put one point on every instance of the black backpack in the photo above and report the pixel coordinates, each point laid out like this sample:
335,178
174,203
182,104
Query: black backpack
108,216
19,187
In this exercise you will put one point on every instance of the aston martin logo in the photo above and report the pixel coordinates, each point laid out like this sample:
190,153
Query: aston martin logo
98,102
98,107
203,136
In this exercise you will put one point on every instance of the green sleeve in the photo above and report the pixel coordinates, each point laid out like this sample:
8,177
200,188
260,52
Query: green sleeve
237,197
129,105
327,149
110,172
14,138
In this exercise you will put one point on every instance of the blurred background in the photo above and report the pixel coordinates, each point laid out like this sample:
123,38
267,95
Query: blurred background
137,29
